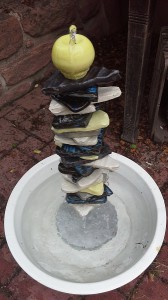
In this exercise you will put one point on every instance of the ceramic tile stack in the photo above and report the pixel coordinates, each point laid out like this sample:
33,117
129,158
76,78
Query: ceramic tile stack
79,126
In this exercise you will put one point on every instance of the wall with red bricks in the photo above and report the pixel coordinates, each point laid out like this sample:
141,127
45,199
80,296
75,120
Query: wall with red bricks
28,29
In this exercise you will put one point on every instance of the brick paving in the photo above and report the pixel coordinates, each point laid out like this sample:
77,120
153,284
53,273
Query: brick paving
25,128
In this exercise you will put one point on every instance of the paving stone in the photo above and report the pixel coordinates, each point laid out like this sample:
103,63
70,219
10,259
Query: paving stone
161,177
127,289
46,151
16,92
10,136
1,225
8,265
166,233
2,201
31,147
1,87
39,124
113,295
6,109
161,263
17,115
3,297
6,188
148,289
34,100
24,287
13,167
164,191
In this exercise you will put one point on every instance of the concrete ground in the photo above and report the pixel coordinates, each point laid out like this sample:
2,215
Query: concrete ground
26,138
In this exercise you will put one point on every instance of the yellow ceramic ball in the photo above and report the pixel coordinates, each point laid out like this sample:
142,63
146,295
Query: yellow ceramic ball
73,54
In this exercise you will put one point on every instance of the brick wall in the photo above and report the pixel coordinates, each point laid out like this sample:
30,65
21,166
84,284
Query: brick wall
28,29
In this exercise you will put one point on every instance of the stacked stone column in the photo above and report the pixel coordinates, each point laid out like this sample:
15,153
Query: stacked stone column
79,125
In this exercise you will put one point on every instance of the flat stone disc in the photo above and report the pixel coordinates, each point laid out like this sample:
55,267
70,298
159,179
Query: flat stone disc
90,231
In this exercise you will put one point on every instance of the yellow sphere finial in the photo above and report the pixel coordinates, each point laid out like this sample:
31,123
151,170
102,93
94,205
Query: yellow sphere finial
73,54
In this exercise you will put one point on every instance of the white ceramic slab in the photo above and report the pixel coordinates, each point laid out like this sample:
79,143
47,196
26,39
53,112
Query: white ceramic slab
79,134
106,162
69,187
33,239
81,141
108,93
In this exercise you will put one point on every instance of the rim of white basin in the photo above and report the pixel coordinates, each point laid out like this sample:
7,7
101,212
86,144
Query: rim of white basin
90,287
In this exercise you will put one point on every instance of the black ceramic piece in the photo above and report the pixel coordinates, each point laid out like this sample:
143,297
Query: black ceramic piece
58,84
99,106
64,170
71,121
77,100
72,104
76,199
71,161
105,150
77,172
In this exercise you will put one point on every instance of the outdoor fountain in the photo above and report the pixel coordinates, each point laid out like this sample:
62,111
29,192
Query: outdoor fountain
83,221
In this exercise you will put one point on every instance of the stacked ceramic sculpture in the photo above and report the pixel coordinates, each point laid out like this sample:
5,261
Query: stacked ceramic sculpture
79,123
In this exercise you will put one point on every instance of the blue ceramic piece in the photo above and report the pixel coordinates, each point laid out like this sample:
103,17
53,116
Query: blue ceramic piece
84,170
75,151
72,152
77,172
91,94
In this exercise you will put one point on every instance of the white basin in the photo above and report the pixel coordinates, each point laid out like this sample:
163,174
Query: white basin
36,245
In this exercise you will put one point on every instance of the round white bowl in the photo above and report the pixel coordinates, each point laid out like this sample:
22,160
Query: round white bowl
32,236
